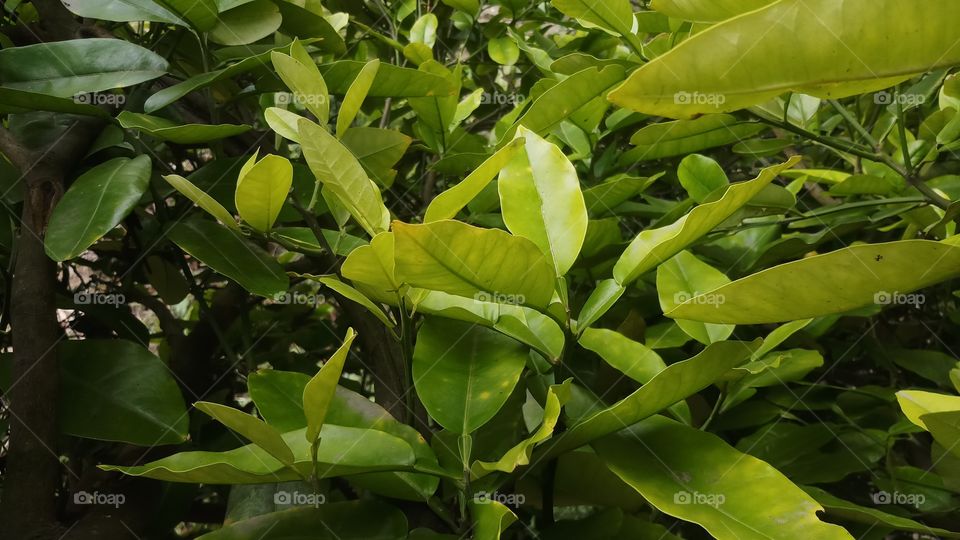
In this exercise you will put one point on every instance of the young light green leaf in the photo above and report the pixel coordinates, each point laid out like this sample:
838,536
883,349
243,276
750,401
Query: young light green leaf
541,200
355,95
695,476
503,50
653,247
846,58
684,277
96,203
519,454
341,451
424,30
284,123
701,176
613,15
468,261
916,404
846,279
250,427
673,384
201,199
320,390
449,203
706,11
167,130
304,80
262,189
341,173
490,519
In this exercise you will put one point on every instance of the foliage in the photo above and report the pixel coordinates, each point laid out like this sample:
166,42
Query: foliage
499,269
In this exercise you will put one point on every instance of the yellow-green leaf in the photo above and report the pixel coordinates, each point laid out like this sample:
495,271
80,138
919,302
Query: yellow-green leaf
355,95
320,390
262,189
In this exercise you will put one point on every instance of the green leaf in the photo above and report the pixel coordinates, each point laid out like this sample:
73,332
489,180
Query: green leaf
490,519
340,172
503,50
342,451
916,404
464,373
17,100
654,246
355,95
391,80
349,520
371,269
262,189
613,15
319,392
79,66
354,295
307,25
246,23
847,510
424,30
671,385
172,93
838,56
277,395
566,98
695,476
684,277
541,201
449,203
250,427
229,254
201,199
526,325
301,75
701,176
708,11
519,454
115,390
200,14
468,261
603,297
470,7
96,203
846,279
167,130
378,150
631,358
682,137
